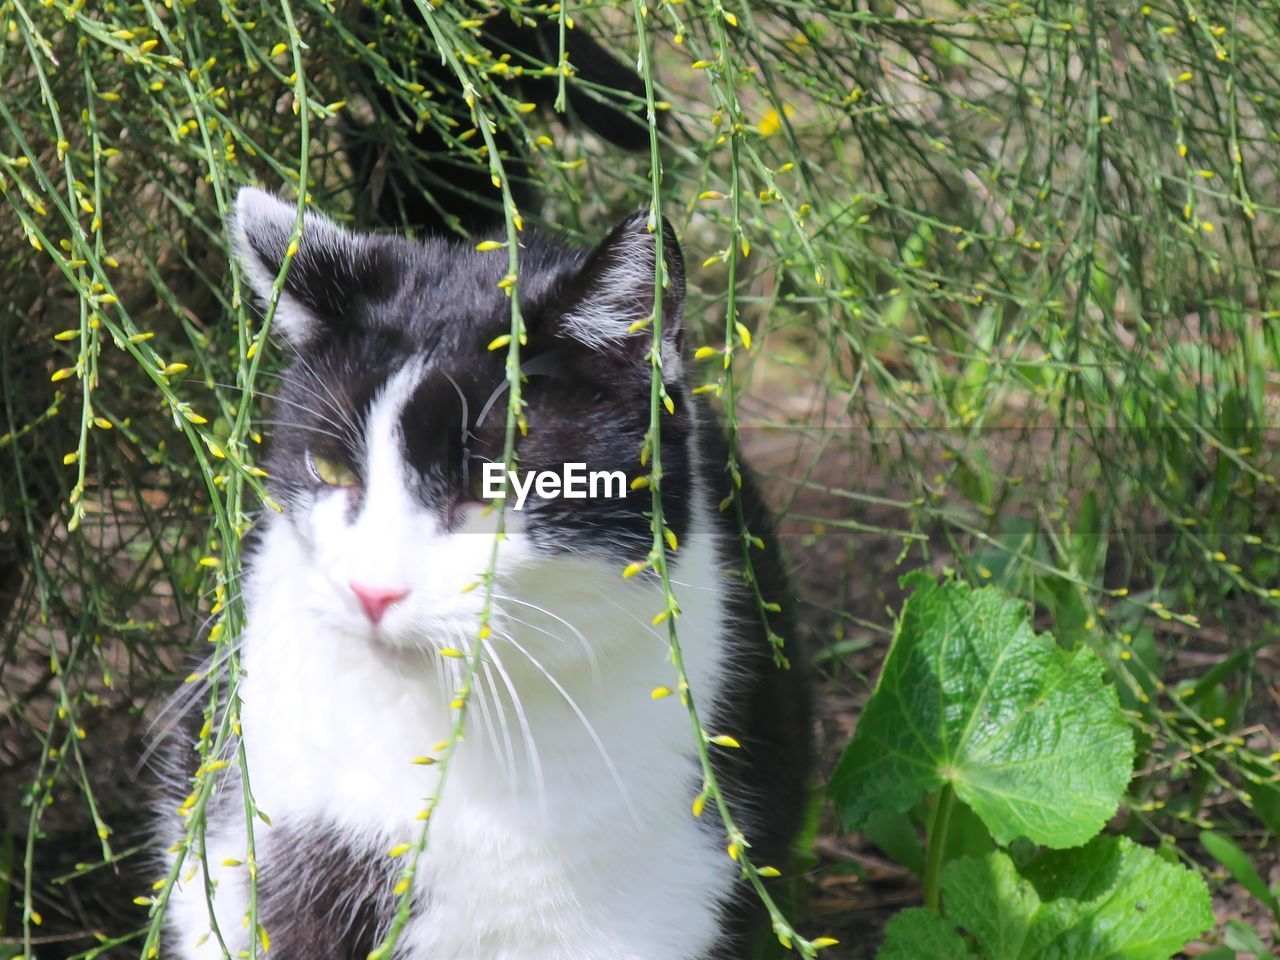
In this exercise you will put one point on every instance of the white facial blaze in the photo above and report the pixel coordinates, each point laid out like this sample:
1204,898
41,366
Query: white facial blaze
395,542
385,542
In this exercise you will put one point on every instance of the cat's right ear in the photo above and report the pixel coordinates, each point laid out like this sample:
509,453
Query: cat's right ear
614,289
329,269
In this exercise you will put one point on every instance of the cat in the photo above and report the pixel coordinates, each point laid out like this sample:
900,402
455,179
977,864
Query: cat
406,171
565,831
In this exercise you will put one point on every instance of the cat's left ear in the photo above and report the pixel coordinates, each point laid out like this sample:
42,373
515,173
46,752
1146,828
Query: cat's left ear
329,270
614,291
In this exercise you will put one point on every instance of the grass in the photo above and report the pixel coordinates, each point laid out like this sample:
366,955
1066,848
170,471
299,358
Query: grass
1004,274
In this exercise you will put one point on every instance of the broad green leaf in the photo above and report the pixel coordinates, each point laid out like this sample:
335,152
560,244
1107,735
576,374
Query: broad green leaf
920,934
987,897
1114,900
1027,733
1228,853
1109,900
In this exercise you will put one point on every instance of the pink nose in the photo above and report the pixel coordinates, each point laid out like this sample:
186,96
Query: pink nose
375,600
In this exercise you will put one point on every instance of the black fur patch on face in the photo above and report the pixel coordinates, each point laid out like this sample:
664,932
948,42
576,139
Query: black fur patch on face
576,420
455,423
320,897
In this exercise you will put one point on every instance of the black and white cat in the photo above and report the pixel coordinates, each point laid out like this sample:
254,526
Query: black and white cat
565,831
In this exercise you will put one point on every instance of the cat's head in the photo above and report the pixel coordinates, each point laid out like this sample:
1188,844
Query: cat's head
393,402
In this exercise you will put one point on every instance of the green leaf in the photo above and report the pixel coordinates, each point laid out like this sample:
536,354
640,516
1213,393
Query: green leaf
1116,899
1238,935
1109,900
897,836
1266,803
920,934
986,896
1228,853
966,835
1027,733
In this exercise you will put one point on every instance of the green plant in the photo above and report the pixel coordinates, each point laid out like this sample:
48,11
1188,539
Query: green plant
973,709
1107,900
1227,852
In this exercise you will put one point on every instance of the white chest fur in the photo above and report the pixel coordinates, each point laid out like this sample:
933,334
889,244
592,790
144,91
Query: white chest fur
564,831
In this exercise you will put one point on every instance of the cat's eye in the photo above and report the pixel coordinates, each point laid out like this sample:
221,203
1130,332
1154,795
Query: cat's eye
331,473
475,482
473,487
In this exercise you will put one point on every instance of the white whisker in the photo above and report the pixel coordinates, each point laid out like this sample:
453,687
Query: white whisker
508,750
582,717
586,644
517,704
